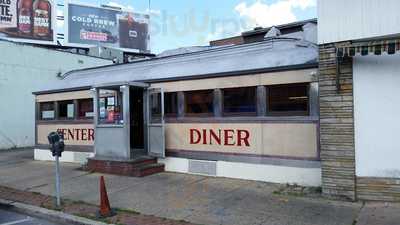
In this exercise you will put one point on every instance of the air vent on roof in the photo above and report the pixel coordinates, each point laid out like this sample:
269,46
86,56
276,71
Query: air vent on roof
273,32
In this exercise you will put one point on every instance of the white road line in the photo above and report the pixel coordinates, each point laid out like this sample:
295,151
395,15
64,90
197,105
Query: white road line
17,221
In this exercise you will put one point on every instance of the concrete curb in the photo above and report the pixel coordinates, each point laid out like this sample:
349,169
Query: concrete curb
49,214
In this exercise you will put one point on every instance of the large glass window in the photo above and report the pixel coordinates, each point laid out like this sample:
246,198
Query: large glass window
288,100
199,103
240,101
85,108
110,106
66,109
47,111
171,104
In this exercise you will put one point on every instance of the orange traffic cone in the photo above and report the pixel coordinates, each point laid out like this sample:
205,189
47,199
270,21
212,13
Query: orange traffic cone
105,208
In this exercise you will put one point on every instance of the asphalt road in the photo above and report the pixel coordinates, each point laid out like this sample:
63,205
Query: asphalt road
8,217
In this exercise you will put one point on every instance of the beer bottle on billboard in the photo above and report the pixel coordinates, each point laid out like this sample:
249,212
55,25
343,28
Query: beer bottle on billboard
42,18
25,16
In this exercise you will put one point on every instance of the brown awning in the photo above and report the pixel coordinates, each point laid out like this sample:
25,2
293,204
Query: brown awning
368,48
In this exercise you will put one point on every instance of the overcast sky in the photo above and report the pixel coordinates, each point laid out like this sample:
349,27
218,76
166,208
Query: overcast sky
179,23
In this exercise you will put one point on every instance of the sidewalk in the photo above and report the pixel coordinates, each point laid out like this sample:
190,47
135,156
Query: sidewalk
196,199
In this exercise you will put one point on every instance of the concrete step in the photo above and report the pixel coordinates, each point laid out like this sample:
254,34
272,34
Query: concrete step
149,169
138,167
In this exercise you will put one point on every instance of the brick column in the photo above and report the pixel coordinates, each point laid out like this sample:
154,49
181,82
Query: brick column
336,125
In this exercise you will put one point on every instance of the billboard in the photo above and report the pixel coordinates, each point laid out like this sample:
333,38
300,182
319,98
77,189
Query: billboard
28,21
89,25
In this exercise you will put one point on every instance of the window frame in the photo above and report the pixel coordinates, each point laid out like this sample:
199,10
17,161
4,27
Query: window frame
80,118
206,114
175,114
58,111
239,114
54,105
117,103
270,113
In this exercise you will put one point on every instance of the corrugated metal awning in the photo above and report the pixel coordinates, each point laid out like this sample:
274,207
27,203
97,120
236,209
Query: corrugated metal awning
368,48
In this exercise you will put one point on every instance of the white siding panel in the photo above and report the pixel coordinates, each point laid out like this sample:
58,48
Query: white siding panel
376,114
343,20
23,70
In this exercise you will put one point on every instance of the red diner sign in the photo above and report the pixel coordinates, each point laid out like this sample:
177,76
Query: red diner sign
226,137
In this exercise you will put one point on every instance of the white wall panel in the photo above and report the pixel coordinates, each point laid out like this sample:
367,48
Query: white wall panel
23,70
377,115
342,20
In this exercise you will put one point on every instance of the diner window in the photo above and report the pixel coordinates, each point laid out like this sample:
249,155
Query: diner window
47,111
240,101
288,100
66,109
171,104
85,108
199,103
110,106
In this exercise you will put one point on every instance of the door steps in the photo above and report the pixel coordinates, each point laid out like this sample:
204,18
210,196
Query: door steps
138,167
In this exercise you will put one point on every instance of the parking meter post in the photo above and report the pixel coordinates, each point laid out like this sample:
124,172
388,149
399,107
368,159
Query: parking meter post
56,140
58,182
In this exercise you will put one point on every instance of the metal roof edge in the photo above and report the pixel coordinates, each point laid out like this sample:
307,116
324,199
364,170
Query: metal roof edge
309,65
62,90
213,50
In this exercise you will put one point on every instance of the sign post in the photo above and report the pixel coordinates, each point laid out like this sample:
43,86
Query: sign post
56,140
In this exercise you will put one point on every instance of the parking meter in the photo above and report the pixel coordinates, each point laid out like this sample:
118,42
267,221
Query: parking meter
56,140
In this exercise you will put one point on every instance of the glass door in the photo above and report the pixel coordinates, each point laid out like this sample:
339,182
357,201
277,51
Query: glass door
155,125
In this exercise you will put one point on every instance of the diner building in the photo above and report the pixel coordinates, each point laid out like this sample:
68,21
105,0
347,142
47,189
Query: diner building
247,111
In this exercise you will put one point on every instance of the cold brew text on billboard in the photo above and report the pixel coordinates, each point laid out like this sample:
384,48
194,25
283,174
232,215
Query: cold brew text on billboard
89,25
27,20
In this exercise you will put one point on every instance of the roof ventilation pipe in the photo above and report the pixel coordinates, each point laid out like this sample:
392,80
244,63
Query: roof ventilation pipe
272,33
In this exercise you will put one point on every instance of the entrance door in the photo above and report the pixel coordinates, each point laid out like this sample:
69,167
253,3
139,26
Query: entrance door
137,119
155,126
